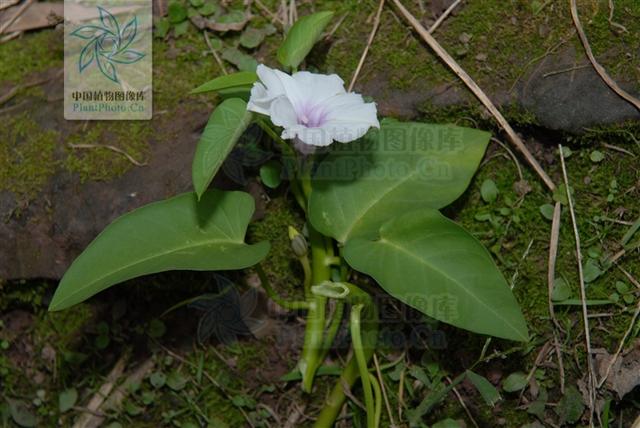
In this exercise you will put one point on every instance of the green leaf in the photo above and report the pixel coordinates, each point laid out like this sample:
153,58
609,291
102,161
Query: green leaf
271,174
592,271
571,406
301,37
252,37
515,382
547,211
400,168
21,414
240,59
162,27
489,392
489,191
433,265
176,381
208,9
176,234
181,29
158,379
241,78
596,156
196,3
67,399
176,13
561,290
447,423
156,328
226,124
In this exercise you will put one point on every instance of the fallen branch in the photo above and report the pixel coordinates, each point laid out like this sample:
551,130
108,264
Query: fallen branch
109,147
15,16
444,16
479,93
384,390
376,24
583,293
551,276
99,397
620,346
599,69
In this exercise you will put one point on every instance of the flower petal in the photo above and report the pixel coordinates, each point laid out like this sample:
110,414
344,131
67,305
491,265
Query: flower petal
319,87
282,113
349,117
268,88
259,100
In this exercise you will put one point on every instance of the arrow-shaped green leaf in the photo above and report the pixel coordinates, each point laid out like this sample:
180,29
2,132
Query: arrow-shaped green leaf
180,233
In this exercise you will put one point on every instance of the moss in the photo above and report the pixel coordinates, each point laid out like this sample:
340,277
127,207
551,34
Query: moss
26,157
496,42
280,265
63,328
102,163
33,52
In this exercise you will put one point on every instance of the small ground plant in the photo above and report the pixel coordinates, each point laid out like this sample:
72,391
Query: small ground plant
371,191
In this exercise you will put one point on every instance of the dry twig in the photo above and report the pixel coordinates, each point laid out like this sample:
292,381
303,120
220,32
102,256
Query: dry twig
620,346
16,15
508,150
109,147
479,93
444,16
214,52
599,69
384,391
583,293
99,397
551,276
461,401
376,24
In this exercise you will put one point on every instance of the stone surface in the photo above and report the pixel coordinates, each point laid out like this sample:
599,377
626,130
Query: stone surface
562,91
44,238
565,93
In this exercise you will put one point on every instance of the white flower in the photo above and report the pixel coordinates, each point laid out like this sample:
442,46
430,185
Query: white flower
312,108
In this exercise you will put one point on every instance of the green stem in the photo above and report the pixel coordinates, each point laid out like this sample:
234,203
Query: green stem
369,332
306,268
332,331
313,336
377,393
362,361
310,358
266,284
288,155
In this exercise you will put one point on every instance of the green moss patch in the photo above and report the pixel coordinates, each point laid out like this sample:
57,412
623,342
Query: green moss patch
27,158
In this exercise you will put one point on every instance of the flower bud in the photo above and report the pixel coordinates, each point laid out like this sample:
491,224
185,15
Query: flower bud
298,243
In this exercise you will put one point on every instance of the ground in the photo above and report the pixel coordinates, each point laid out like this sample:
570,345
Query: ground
52,364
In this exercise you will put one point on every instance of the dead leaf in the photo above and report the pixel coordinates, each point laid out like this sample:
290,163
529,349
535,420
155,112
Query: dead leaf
235,22
624,375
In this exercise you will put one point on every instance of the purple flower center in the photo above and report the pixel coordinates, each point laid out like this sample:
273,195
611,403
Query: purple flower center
311,116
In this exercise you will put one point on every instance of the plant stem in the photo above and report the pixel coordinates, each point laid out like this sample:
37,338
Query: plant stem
358,352
306,268
313,337
266,284
289,158
369,332
332,331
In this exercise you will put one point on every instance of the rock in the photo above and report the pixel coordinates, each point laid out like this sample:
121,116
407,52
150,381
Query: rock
564,100
42,239
565,93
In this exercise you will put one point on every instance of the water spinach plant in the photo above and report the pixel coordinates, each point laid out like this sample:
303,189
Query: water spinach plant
371,192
